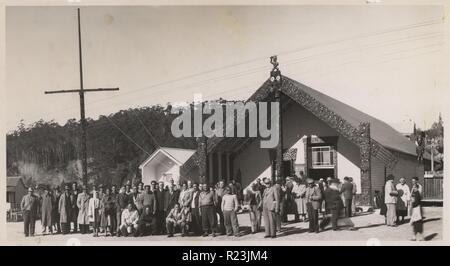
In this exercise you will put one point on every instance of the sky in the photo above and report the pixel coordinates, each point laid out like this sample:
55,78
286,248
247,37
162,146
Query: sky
387,61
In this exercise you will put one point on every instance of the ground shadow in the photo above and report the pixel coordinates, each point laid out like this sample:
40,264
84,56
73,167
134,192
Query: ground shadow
430,237
358,214
430,220
245,230
292,230
369,226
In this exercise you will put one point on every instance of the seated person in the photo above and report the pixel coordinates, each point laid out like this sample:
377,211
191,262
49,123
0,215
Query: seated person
130,218
176,219
147,223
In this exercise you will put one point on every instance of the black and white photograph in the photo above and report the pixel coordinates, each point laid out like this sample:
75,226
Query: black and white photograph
259,124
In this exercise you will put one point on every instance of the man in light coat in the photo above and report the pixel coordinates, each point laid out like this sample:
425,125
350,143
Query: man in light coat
83,211
46,211
130,219
64,210
271,207
29,205
390,199
403,200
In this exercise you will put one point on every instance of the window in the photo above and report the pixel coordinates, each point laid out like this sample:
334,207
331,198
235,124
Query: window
322,157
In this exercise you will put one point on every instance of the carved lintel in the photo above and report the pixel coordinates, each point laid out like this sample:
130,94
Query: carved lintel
201,160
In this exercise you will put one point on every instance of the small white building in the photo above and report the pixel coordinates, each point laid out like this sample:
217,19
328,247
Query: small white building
164,164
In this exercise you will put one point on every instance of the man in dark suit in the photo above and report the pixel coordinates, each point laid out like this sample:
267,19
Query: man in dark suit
160,195
332,203
75,210
171,198
196,224
313,198
271,208
347,192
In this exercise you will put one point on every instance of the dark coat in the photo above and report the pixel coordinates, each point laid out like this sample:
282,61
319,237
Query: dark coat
347,190
332,199
55,211
73,201
171,199
122,201
160,200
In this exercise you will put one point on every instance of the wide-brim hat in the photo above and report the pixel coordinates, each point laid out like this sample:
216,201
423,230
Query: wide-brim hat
30,189
309,180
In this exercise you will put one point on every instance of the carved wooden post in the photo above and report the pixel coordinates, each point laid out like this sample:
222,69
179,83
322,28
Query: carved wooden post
365,151
276,82
202,159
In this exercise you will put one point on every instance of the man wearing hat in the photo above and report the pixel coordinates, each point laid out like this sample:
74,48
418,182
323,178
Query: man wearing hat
65,210
313,197
271,207
347,192
29,207
390,199
74,212
153,186
46,210
161,208
55,212
128,188
83,213
332,203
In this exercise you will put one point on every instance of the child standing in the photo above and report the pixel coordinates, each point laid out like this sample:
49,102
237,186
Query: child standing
416,214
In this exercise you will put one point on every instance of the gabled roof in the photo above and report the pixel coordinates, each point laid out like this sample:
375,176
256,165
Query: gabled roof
379,130
383,134
179,155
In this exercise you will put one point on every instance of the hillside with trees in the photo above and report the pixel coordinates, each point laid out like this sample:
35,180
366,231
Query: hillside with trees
47,152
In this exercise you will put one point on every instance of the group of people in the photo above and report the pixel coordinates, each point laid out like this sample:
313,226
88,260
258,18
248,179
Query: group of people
201,209
139,210
400,201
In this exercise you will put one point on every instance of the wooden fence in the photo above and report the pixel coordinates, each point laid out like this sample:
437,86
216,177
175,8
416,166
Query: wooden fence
432,188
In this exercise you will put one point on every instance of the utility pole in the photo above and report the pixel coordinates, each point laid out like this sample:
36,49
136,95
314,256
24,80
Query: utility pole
81,92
